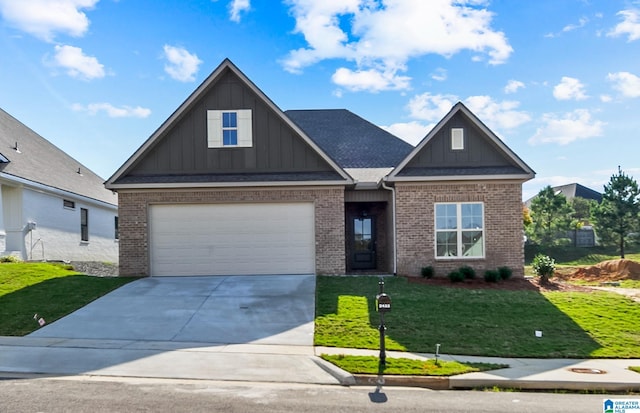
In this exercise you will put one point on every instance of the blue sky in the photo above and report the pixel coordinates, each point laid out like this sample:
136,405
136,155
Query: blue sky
557,80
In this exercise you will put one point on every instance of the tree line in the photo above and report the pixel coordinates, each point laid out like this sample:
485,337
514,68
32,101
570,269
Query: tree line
615,219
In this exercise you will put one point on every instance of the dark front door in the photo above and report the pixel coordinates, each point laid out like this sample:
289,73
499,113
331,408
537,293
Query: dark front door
363,256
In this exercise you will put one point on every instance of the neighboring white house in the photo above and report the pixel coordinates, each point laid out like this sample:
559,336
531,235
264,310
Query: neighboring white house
53,207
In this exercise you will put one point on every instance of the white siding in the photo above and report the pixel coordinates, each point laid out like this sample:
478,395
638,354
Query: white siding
57,232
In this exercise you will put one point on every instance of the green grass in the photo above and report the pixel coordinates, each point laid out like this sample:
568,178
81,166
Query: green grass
476,322
49,290
405,366
635,368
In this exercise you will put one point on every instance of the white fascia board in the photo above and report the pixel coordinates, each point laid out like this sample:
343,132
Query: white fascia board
227,185
463,178
53,190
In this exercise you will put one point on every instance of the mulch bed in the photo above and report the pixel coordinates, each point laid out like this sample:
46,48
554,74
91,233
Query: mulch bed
512,284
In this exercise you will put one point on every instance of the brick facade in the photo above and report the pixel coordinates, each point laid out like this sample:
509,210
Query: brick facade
329,220
503,230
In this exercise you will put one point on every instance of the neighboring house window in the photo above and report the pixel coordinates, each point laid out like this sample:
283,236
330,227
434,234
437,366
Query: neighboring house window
459,230
457,139
84,224
116,228
229,128
68,204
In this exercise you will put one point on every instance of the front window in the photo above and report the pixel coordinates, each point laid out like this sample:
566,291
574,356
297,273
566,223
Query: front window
459,230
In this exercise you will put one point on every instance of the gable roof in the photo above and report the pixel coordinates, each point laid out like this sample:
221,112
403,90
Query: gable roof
510,165
576,190
120,179
350,140
27,157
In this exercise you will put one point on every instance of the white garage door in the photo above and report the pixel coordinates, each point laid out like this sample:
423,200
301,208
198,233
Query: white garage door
234,239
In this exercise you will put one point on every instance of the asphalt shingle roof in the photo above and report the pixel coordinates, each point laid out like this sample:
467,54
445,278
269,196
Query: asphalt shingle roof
39,161
351,141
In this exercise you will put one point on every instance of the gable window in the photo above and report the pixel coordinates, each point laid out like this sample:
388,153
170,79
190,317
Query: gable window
84,224
457,139
459,230
68,204
229,128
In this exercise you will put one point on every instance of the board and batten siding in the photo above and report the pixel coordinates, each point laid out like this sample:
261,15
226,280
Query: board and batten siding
183,150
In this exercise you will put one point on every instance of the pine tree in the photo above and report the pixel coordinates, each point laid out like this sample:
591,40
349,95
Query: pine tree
618,215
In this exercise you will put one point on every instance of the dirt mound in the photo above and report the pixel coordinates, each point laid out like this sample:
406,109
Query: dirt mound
612,270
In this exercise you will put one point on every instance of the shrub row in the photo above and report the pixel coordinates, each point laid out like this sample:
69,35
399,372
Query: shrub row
467,273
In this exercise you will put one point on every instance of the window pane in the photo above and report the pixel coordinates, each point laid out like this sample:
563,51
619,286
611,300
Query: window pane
446,216
229,137
446,244
472,245
229,120
471,216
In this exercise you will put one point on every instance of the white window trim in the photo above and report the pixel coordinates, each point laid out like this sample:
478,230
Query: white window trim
459,230
214,128
457,139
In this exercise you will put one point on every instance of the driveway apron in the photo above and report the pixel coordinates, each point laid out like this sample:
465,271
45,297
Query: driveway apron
276,309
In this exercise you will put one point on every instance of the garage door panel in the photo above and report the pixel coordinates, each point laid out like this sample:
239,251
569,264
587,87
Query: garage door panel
197,239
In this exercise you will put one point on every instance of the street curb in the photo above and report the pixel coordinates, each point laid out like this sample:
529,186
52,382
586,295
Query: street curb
426,382
344,378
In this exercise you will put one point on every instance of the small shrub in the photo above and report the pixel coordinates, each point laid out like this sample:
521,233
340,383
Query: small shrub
10,258
468,272
455,276
505,272
491,276
427,272
544,266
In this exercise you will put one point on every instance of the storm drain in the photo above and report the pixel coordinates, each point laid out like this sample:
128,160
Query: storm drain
587,370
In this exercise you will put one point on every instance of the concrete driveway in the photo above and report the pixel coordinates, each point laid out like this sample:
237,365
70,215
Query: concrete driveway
261,309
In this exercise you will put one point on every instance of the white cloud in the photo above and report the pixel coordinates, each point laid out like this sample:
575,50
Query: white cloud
629,26
569,88
626,83
497,115
112,111
77,63
368,32
44,18
237,7
605,98
574,26
372,80
412,132
513,86
440,74
569,127
182,65
430,107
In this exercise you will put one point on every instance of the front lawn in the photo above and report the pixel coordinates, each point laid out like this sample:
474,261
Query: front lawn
485,322
49,290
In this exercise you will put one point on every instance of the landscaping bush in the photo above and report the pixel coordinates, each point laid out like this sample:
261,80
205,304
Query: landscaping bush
491,276
544,266
468,272
456,276
10,258
505,272
427,272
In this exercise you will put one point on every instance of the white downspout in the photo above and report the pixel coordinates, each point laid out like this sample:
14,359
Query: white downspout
393,224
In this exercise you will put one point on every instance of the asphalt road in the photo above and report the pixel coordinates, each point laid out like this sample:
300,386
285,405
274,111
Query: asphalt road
95,395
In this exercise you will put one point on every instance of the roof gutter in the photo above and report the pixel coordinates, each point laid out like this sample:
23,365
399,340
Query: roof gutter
393,223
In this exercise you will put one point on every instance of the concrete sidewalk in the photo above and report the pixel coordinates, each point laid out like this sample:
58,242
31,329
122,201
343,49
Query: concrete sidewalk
288,364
